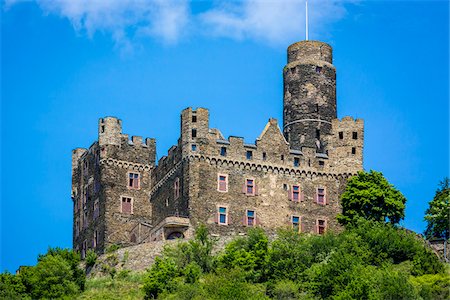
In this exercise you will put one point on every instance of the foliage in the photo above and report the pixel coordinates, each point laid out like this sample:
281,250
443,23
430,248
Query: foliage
112,248
126,287
110,264
91,258
437,214
248,254
12,287
372,197
369,260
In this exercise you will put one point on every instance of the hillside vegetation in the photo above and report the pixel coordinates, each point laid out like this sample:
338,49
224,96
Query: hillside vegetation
369,260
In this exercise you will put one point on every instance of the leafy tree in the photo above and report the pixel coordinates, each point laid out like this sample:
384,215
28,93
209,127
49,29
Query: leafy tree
53,278
437,214
370,196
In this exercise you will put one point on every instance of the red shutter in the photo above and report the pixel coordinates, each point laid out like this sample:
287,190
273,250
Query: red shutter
255,189
244,187
290,193
244,220
257,220
317,196
302,196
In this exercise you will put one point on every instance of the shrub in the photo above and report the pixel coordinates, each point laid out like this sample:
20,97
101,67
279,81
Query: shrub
91,258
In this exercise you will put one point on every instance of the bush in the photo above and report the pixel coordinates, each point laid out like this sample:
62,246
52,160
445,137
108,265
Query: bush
91,258
160,277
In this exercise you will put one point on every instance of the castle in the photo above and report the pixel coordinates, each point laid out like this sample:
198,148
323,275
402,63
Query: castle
290,177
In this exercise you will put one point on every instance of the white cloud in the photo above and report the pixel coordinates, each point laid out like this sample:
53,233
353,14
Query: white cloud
274,21
124,19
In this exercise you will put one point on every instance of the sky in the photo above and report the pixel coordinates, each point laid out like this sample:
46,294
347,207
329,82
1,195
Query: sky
67,63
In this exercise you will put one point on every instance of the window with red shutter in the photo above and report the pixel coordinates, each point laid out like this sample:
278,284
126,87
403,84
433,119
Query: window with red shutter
133,180
250,187
296,223
321,226
251,217
321,196
126,205
222,183
295,193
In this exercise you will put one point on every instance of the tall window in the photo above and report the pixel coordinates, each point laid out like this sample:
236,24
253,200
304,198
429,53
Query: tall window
321,199
222,183
194,133
295,193
127,205
321,226
355,135
133,180
249,187
296,161
95,240
250,218
223,216
96,209
296,223
223,151
176,188
249,155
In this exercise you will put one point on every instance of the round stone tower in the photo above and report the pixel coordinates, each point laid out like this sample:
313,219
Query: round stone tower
309,94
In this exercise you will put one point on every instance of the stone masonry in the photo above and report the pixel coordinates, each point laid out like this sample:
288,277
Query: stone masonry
287,178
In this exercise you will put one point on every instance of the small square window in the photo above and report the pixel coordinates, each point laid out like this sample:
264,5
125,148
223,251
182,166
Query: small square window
223,151
296,161
264,157
133,180
194,147
321,163
282,157
341,135
250,217
194,118
318,69
194,133
353,150
285,186
355,135
249,155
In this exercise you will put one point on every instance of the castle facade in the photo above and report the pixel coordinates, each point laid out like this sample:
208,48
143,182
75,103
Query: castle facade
289,177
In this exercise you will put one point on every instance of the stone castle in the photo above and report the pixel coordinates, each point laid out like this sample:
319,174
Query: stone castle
287,178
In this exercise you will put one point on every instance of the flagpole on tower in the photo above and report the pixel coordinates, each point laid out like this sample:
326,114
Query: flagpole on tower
306,13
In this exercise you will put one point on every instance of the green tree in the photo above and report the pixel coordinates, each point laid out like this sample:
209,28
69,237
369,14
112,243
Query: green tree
370,196
437,214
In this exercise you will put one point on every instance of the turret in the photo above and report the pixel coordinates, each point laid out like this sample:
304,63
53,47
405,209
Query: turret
309,95
194,129
109,131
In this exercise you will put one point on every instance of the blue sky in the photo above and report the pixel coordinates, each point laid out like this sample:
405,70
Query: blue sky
65,64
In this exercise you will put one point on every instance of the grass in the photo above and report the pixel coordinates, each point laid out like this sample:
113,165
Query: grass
121,287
